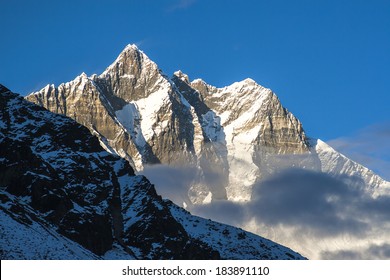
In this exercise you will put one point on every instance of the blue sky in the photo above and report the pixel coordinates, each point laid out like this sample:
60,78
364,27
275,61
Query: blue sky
328,61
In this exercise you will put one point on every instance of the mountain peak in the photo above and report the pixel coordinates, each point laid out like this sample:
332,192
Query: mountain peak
246,85
130,61
249,81
83,76
234,137
198,81
131,47
182,76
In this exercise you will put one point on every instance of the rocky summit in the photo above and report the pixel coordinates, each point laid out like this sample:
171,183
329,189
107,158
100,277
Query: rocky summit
62,196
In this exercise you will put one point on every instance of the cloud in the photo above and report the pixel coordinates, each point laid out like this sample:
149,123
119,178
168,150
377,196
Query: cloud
171,182
175,183
369,146
308,201
306,208
187,184
181,5
142,43
311,200
316,214
372,252
223,211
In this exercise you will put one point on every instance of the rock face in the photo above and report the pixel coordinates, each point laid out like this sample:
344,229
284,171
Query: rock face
234,136
132,107
56,179
245,123
26,235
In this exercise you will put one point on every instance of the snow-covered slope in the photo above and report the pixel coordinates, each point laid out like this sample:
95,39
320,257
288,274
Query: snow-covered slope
58,183
228,240
335,163
24,235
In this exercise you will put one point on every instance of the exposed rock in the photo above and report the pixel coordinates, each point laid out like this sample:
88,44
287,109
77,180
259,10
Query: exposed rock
24,234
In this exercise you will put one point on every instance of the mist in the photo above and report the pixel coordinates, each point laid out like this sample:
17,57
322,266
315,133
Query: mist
318,215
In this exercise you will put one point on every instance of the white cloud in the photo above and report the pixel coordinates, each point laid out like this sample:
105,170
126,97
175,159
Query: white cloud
372,252
311,212
317,215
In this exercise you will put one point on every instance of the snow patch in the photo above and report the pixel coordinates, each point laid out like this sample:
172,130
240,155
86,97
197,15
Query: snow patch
211,125
150,106
130,118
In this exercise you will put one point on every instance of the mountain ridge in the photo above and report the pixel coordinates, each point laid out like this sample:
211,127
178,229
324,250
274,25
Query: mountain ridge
232,138
144,117
147,118
56,179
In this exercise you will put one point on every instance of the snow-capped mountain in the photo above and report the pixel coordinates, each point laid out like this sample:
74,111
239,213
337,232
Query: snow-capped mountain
232,139
62,196
237,133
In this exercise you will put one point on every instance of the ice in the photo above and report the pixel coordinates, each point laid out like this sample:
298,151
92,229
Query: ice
149,107
130,118
198,133
211,124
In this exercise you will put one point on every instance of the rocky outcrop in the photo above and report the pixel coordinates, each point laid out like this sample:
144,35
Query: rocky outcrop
56,165
55,177
24,234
